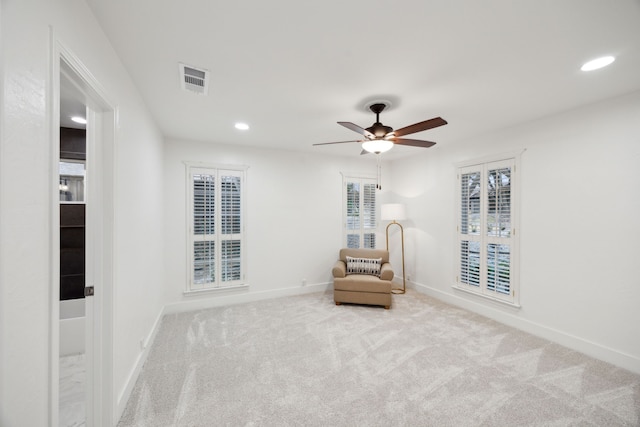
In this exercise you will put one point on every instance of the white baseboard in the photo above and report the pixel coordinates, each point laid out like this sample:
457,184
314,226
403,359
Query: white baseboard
123,396
573,342
231,298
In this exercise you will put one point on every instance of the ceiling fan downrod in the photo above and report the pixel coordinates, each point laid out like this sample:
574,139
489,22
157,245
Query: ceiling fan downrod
377,109
378,130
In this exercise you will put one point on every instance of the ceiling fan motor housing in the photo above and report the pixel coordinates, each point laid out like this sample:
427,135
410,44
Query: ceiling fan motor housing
378,129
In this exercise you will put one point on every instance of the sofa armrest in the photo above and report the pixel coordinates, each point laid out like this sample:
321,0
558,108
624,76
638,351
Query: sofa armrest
339,269
386,272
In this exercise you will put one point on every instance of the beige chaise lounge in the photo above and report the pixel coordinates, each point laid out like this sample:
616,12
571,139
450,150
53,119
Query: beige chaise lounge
358,288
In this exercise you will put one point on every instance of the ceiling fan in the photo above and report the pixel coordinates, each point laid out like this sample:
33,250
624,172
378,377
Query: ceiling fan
380,138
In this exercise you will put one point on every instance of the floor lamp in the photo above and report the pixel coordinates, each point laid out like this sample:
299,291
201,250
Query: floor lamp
395,212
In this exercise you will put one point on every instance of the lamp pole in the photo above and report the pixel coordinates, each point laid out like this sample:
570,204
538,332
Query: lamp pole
403,290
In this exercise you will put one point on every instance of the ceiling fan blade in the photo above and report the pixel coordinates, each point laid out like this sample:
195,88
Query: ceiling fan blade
413,142
357,128
363,152
337,142
419,127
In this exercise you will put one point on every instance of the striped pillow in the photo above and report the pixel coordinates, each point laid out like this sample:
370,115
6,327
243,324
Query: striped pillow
364,266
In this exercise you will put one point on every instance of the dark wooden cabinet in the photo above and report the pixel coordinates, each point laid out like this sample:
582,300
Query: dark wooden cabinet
72,222
73,144
72,251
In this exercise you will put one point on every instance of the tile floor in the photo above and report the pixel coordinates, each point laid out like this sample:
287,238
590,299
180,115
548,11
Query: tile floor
72,394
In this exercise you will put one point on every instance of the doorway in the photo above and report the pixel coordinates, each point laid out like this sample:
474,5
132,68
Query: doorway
82,220
72,179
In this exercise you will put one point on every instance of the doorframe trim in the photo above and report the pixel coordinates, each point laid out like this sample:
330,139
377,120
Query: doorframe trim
103,113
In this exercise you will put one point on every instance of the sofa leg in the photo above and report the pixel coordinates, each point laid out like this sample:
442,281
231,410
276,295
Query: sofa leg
338,303
386,307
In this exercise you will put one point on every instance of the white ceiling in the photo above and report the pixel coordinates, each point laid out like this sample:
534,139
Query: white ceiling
292,69
72,103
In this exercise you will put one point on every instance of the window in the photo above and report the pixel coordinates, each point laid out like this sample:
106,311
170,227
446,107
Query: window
487,245
359,201
216,227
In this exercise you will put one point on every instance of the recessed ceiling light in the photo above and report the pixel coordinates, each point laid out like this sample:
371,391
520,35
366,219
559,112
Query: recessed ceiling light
79,119
242,126
597,63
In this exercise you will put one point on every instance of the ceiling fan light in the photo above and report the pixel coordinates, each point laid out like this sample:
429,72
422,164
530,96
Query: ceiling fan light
377,146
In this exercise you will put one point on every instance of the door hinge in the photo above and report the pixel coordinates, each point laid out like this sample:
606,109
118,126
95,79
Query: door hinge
88,291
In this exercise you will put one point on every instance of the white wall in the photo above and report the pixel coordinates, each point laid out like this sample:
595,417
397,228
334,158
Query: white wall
579,226
293,222
25,202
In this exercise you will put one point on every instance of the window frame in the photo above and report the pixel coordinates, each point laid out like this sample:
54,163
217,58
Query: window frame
362,180
218,236
484,288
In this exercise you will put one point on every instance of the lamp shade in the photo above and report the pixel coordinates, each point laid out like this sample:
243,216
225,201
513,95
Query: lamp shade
377,145
393,212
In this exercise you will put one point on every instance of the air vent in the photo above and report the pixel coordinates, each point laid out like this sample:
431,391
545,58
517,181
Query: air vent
194,79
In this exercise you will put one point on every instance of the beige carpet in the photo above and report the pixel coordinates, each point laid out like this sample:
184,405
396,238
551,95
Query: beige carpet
303,361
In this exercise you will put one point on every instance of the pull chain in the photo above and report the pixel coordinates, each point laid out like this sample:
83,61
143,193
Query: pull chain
378,171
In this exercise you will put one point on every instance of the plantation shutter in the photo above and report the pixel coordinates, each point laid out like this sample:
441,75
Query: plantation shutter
217,229
498,227
369,215
360,212
485,228
230,236
469,228
353,215
204,245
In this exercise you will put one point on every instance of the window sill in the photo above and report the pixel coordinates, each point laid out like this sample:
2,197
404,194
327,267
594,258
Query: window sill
195,292
487,297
